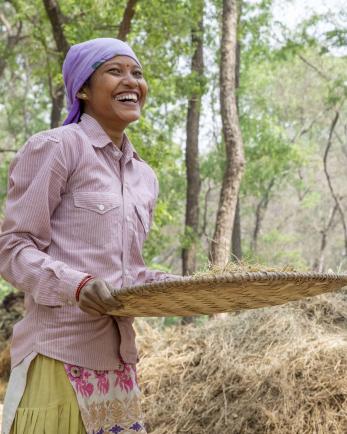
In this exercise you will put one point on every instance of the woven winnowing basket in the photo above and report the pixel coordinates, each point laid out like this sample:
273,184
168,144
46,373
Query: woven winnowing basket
212,294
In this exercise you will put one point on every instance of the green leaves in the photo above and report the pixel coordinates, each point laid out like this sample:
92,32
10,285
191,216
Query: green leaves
289,82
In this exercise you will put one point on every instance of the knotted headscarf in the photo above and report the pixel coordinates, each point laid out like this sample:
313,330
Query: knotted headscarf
80,63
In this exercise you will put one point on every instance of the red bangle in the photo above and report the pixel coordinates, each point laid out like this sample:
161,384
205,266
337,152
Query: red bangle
83,282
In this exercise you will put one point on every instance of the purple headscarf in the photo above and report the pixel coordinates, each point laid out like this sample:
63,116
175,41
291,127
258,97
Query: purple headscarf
80,63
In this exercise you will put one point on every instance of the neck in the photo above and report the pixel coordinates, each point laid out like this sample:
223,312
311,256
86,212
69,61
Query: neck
113,129
115,135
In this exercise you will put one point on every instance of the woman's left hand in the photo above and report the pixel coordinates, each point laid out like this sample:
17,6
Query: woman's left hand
96,298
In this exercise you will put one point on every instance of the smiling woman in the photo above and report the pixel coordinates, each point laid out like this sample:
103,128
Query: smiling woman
115,95
79,208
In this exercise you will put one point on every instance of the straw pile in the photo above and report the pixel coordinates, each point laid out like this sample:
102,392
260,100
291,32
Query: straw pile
239,266
275,370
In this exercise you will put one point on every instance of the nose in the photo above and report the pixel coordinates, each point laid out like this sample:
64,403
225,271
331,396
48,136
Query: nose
129,79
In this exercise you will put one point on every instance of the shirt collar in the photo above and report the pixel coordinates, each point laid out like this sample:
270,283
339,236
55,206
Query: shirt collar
100,139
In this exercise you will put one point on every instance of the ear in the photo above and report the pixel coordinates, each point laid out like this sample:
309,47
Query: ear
82,94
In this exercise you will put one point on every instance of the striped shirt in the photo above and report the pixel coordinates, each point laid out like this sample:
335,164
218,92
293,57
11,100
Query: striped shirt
76,205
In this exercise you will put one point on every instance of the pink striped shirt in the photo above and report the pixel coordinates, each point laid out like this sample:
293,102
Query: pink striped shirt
76,205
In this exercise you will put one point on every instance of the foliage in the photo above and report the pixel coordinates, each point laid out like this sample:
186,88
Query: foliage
290,83
5,288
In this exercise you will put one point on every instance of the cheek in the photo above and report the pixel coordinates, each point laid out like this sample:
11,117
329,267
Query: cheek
144,90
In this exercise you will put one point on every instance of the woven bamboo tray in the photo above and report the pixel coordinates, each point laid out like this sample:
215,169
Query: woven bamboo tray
212,294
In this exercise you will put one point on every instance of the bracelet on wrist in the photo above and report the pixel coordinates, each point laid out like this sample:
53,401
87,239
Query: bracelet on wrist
83,282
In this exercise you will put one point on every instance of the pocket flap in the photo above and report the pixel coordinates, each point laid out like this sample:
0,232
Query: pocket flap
96,201
143,216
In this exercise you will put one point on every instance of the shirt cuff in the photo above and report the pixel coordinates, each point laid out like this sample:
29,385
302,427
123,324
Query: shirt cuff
64,291
69,285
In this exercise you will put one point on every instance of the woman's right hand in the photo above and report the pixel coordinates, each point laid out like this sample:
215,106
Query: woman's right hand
96,299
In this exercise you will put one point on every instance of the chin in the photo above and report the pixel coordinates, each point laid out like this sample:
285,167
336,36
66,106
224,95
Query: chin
129,118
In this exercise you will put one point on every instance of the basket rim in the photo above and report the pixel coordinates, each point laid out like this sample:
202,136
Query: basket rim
235,277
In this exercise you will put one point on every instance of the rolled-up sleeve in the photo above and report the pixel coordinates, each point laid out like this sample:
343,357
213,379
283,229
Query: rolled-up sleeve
37,180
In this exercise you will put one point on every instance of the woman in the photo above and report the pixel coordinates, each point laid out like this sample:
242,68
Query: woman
79,207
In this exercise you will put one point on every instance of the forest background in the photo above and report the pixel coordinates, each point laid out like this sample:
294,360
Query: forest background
291,91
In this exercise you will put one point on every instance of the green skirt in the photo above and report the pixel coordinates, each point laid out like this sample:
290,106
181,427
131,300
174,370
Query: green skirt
49,404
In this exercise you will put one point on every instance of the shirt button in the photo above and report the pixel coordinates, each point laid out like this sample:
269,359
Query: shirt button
128,219
70,303
101,207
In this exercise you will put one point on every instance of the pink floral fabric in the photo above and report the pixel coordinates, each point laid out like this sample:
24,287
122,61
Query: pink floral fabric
109,401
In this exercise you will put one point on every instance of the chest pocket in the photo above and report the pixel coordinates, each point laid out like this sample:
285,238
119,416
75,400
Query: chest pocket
96,202
97,218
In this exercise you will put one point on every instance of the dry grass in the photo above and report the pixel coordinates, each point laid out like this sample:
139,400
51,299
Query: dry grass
240,267
276,370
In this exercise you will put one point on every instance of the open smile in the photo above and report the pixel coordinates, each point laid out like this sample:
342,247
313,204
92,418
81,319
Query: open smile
128,98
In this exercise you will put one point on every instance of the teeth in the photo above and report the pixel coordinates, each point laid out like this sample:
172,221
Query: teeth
126,97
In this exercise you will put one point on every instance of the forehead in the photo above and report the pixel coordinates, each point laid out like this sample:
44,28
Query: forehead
122,61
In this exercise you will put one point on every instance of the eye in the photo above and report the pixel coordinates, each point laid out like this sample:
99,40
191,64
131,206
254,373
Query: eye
115,70
138,74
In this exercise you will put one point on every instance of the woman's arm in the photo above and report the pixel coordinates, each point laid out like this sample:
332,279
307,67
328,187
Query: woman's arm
37,180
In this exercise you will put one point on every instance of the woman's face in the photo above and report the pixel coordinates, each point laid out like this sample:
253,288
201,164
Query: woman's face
116,92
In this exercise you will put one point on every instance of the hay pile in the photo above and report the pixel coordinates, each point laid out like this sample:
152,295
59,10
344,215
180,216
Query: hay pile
240,267
275,370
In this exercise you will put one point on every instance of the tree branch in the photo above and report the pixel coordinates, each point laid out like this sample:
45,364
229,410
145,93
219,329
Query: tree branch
333,194
13,36
204,220
304,130
319,72
319,262
125,25
57,21
259,214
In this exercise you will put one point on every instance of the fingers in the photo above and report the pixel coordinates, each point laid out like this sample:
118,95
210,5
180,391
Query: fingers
90,306
111,300
89,300
96,298
91,311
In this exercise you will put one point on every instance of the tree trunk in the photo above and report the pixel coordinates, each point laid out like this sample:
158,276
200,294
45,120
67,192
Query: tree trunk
221,243
318,264
125,25
58,99
56,19
260,213
192,160
334,195
236,246
12,38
